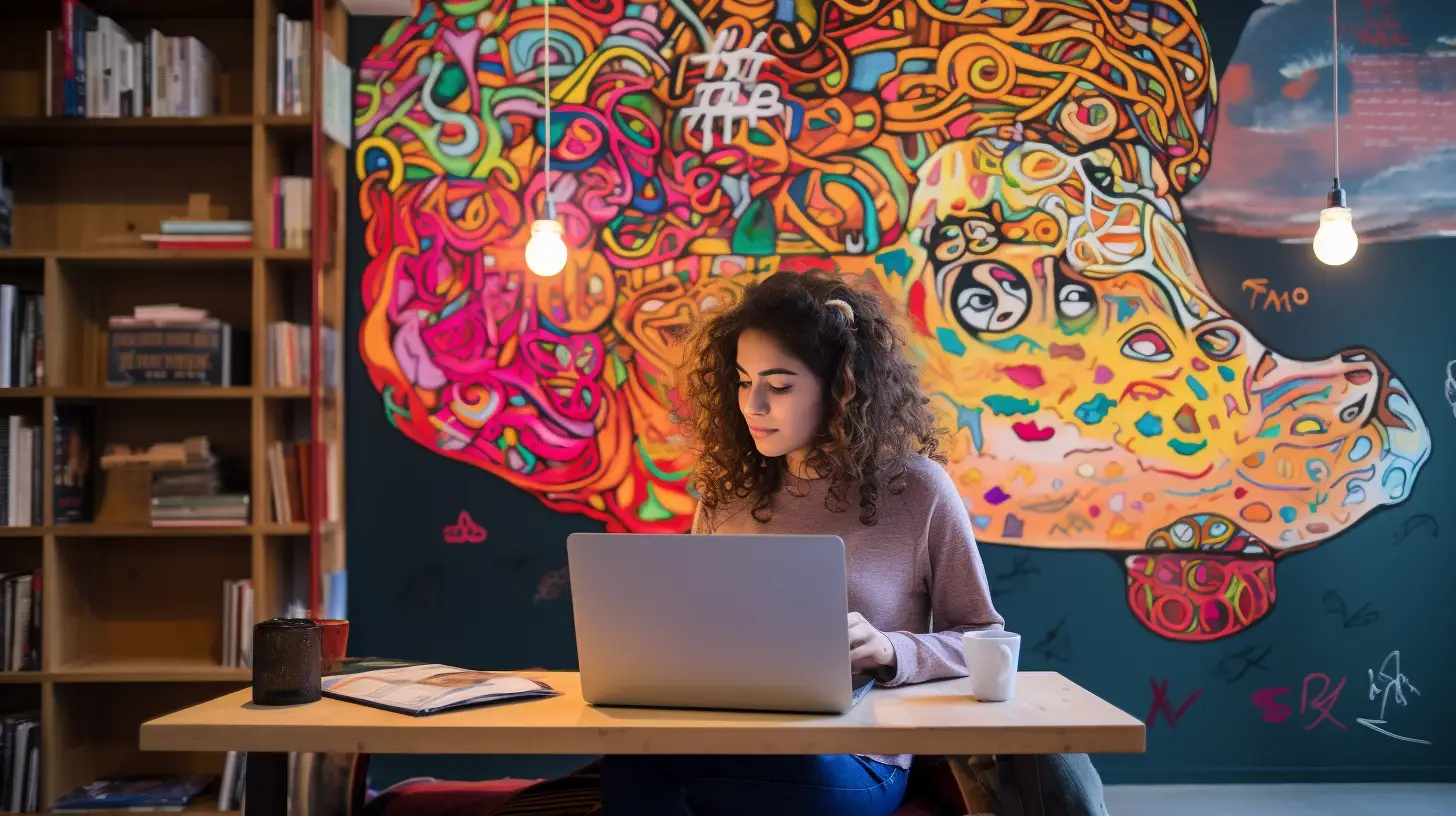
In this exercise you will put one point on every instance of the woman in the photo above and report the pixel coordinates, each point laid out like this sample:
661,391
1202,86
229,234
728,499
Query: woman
811,420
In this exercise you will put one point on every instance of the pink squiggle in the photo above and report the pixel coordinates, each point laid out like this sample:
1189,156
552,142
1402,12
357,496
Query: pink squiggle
641,31
464,47
459,358
389,105
414,358
539,437
599,198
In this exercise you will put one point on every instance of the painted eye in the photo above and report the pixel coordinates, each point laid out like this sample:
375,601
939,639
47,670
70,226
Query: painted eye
1074,300
1101,178
1307,426
1352,412
988,297
1147,345
1219,343
975,304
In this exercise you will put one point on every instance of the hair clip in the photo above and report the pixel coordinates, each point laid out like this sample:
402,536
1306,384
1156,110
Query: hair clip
843,307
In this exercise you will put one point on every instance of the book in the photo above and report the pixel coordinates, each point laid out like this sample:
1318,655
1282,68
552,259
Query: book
418,689
134,793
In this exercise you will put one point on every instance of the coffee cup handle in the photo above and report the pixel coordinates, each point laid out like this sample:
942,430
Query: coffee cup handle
1007,668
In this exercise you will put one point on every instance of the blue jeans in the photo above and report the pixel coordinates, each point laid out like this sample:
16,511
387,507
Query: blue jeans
827,785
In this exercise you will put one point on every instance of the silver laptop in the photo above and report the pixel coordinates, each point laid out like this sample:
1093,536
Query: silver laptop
747,622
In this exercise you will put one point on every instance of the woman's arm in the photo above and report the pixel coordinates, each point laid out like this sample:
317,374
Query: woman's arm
960,599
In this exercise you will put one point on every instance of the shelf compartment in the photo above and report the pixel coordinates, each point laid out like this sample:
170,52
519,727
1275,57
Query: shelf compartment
225,27
84,297
280,569
21,562
103,198
144,605
94,733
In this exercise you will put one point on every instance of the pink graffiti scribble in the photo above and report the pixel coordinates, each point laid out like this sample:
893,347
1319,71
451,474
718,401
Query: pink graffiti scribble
464,531
1323,701
1162,705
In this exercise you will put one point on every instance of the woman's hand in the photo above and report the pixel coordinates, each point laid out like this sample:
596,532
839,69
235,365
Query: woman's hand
869,649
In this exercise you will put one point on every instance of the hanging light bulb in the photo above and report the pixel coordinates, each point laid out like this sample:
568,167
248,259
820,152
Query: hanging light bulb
1335,241
546,249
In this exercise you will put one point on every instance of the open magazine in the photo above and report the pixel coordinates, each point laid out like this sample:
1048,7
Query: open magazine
427,688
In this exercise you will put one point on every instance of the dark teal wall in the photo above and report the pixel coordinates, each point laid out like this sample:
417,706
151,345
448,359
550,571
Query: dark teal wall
1341,609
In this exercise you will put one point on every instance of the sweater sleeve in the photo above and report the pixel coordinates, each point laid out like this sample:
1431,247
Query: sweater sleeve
960,599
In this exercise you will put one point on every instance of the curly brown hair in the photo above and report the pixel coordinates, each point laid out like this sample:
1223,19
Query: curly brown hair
875,413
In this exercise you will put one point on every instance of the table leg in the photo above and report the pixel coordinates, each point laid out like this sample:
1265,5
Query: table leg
267,785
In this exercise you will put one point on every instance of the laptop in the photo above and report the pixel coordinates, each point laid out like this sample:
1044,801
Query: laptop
735,622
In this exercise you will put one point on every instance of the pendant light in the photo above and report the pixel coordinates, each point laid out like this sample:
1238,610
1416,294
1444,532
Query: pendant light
1335,242
546,249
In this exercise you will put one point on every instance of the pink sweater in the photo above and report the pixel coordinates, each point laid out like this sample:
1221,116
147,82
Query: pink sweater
915,569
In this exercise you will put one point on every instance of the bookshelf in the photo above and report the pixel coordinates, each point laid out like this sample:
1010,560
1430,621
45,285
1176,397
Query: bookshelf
132,614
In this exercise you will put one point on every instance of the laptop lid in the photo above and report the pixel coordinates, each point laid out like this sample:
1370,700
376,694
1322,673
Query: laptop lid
753,622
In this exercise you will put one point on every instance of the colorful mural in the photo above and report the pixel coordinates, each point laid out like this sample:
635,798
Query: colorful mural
1011,172
1397,122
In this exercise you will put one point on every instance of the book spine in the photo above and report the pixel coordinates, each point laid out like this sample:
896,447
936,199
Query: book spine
69,33
159,356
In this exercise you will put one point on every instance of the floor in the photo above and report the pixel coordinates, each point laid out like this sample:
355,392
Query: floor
1281,800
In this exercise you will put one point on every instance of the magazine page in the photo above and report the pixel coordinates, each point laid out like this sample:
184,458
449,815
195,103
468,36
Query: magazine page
431,687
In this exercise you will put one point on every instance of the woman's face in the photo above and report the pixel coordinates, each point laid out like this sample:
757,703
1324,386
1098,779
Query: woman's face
781,400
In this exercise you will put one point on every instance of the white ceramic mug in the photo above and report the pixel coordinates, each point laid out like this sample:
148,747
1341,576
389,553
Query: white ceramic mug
991,657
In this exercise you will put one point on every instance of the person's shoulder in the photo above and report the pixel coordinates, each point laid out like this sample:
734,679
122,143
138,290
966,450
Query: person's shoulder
925,477
731,509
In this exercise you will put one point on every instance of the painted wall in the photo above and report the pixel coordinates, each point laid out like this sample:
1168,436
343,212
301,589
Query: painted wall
1207,473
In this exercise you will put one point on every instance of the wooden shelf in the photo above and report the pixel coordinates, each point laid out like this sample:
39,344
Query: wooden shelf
23,532
170,392
63,132
133,614
131,671
149,671
153,256
113,531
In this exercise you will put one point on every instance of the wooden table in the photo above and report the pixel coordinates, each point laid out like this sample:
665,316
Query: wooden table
1050,715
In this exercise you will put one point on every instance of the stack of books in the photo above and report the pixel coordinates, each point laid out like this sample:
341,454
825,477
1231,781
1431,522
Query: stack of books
291,62
188,491
289,355
97,69
221,510
237,624
21,481
292,212
20,768
22,337
172,344
20,601
135,793
182,234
